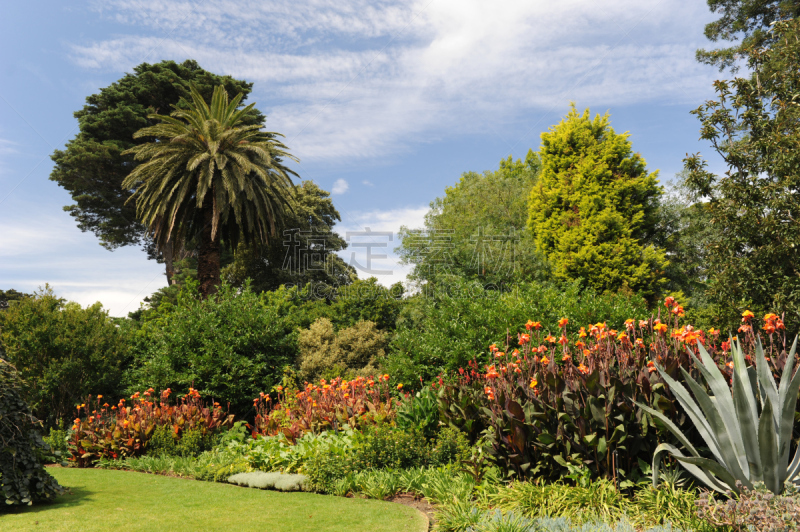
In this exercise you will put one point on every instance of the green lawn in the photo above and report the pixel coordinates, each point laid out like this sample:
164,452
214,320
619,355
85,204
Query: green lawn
126,501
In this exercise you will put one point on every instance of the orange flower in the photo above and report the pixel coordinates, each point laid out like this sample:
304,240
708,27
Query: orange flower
678,311
566,358
583,369
77,420
550,338
660,327
580,345
668,302
713,332
582,332
533,325
586,352
563,340
348,395
493,348
651,366
563,322
747,315
386,377
99,396
622,337
639,342
643,323
730,364
629,323
534,383
545,361
524,338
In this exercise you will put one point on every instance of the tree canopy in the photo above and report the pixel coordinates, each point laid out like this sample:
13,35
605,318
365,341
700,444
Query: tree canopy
208,176
593,212
304,253
93,164
477,229
748,20
754,126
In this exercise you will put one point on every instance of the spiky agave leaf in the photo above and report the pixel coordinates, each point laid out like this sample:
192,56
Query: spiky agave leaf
747,447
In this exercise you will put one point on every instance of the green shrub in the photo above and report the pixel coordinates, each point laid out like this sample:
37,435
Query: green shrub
277,481
230,346
162,442
23,480
450,446
383,446
420,412
324,353
57,446
63,352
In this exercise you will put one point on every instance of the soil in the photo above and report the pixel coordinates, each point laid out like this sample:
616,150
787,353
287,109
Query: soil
419,504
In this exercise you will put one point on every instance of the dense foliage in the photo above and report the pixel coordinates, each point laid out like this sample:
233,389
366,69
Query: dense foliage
229,347
753,126
442,333
63,352
593,210
23,480
122,430
92,166
304,253
745,20
476,231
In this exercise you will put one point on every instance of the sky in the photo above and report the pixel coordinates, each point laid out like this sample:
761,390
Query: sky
385,103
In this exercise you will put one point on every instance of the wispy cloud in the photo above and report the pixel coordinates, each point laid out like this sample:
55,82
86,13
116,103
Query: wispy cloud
369,78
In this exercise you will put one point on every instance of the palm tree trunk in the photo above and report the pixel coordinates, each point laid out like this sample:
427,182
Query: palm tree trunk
208,256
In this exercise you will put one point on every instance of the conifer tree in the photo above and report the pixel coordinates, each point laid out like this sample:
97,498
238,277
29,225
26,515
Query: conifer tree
593,212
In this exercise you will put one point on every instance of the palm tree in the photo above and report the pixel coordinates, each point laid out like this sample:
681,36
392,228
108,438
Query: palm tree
208,175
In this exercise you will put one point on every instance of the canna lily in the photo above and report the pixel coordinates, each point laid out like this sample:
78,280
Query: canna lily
545,360
563,322
583,369
747,315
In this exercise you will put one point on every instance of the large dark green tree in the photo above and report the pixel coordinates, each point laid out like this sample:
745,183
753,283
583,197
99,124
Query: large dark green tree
477,229
208,175
304,253
746,21
754,126
593,212
92,166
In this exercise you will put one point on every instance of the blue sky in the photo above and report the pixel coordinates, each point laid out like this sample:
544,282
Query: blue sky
385,103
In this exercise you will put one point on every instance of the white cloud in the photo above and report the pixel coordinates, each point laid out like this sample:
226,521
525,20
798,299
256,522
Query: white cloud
39,250
382,229
368,78
340,187
368,183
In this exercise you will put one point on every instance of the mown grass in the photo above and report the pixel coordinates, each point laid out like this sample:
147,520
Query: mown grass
102,500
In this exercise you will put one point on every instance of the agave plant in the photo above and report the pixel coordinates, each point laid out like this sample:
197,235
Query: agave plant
748,429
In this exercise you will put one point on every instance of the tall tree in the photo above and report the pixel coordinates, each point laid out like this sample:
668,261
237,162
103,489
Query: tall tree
208,174
477,229
306,251
748,20
594,210
754,125
93,164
